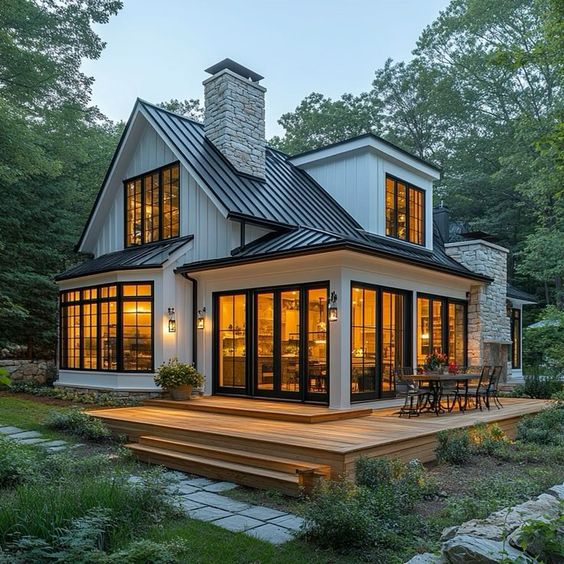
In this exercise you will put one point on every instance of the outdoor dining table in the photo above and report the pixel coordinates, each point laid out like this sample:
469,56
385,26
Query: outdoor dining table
436,380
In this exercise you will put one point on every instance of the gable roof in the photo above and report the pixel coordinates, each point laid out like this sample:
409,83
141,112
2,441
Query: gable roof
152,255
518,294
306,240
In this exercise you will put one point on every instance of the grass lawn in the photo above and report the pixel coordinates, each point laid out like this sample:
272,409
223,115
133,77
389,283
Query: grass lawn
68,487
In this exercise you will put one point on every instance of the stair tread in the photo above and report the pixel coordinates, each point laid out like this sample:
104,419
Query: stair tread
230,451
283,476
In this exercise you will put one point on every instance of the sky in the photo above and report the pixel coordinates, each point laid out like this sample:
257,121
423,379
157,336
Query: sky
158,49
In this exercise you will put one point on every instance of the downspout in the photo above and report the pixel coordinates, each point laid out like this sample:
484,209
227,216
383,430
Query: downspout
194,318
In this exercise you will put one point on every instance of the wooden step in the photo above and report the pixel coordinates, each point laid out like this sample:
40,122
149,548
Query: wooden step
257,460
252,476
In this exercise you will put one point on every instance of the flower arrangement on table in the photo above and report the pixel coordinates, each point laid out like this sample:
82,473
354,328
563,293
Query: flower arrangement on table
453,368
436,362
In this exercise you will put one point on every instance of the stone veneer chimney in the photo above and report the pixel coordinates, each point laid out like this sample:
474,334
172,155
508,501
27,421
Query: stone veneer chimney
489,326
234,115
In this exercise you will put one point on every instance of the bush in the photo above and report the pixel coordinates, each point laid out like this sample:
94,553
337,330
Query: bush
543,344
539,387
543,539
486,439
80,424
453,446
544,428
17,462
174,374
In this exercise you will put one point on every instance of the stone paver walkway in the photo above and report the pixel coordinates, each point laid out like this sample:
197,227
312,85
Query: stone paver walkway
35,438
200,499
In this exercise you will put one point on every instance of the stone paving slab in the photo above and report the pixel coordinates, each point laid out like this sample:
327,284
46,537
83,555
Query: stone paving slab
292,522
183,488
188,504
220,487
262,513
238,523
199,482
53,444
25,435
57,448
10,430
209,514
271,533
215,500
32,441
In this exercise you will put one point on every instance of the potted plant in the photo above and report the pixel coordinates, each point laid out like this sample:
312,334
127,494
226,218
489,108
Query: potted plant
178,378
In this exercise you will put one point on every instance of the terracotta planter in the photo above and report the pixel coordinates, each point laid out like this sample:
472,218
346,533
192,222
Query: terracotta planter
183,392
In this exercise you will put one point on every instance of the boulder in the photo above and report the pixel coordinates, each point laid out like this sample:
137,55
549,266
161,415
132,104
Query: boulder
427,558
557,491
464,549
543,506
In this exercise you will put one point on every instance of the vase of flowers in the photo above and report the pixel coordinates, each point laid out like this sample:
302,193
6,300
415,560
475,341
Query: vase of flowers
436,362
178,378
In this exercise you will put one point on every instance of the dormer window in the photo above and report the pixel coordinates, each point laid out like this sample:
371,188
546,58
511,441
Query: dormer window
405,211
152,206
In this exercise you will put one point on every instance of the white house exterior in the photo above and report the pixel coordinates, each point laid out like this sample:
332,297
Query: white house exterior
210,247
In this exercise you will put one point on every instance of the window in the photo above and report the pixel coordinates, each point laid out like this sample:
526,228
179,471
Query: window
405,211
516,338
107,328
441,328
152,206
233,341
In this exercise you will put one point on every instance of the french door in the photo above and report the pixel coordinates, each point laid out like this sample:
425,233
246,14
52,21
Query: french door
273,343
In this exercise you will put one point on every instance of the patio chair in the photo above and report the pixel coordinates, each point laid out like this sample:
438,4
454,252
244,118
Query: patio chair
474,391
453,393
491,390
415,397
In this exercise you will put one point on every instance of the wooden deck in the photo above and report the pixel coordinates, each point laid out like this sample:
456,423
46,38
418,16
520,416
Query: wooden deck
206,441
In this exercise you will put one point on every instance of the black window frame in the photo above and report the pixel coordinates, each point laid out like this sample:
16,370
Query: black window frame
250,389
444,322
119,298
408,186
516,337
407,337
141,177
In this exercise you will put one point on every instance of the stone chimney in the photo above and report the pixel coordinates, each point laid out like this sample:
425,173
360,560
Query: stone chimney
234,116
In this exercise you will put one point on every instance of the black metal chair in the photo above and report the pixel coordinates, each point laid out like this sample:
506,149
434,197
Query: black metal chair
474,391
491,390
453,393
415,397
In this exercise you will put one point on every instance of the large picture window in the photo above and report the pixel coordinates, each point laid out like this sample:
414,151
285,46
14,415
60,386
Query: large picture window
107,328
152,206
405,211
441,328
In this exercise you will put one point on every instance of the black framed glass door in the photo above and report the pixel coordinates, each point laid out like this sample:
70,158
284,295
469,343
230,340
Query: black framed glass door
273,343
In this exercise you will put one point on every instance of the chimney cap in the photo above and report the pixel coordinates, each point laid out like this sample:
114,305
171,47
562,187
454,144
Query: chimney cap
236,68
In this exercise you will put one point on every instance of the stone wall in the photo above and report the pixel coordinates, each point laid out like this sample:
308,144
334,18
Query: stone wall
40,371
489,326
235,120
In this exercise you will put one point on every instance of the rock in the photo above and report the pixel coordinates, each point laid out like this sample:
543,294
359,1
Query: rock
557,491
426,558
482,528
449,533
463,549
516,539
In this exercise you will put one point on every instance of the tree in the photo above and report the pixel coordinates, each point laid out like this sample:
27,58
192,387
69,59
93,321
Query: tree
190,108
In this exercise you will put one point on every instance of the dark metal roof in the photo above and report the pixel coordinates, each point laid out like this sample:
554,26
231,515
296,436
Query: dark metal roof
231,65
518,294
373,136
152,255
304,240
288,196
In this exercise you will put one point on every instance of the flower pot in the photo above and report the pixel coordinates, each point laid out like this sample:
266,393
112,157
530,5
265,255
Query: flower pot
183,392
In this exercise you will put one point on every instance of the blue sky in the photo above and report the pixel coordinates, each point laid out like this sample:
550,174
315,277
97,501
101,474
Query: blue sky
158,49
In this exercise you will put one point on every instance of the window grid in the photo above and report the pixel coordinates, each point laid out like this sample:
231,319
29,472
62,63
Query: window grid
96,336
152,210
405,211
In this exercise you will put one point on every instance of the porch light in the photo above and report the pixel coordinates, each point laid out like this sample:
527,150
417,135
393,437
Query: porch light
332,311
201,320
171,320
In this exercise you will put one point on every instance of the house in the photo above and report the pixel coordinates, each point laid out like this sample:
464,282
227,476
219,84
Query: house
305,278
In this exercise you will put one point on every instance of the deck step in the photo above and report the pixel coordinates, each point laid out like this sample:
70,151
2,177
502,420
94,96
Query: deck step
250,469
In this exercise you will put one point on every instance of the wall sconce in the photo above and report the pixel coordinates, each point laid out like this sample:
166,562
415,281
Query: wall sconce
201,320
332,311
171,320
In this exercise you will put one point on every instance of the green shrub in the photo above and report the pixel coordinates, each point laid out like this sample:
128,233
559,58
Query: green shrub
80,424
539,387
17,462
543,344
174,374
453,446
543,539
5,381
545,428
144,551
486,439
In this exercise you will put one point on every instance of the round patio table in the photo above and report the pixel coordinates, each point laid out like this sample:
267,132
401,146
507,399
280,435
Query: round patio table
436,381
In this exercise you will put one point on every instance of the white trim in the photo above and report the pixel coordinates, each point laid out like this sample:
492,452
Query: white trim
368,143
471,242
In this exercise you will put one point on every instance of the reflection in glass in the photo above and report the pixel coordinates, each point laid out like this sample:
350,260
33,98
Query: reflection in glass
265,341
316,340
290,341
363,353
393,337
232,338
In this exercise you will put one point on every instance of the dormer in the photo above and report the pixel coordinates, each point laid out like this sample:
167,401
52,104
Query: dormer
387,190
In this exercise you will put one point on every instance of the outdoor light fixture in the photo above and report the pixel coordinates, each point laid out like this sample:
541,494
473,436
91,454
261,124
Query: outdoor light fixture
332,311
201,321
171,320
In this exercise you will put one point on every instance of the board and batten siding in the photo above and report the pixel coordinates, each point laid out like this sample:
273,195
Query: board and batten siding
357,181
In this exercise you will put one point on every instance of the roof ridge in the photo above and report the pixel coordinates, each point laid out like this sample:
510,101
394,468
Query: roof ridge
176,114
